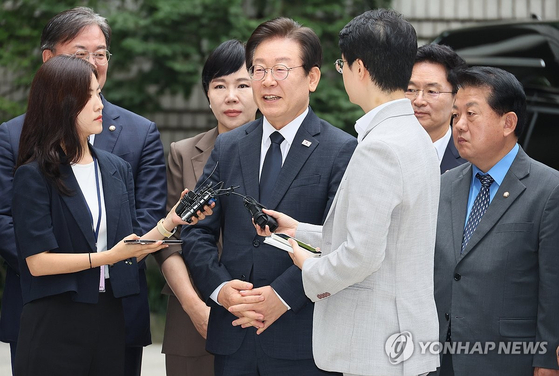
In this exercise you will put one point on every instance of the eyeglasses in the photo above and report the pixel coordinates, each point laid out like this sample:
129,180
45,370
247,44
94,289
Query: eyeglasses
279,72
427,93
339,64
101,57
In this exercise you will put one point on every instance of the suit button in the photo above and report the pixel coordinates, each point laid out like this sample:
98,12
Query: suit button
457,276
323,295
256,243
447,316
243,277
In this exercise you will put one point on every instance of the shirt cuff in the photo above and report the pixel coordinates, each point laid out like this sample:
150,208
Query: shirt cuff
215,294
283,301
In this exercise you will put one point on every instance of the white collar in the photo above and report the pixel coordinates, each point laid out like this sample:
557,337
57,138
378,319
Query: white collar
363,124
288,131
441,144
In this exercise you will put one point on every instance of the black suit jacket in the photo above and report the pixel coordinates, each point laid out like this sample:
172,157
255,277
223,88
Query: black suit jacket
45,220
137,141
451,157
305,189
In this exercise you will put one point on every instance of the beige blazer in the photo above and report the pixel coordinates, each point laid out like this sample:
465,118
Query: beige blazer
375,277
186,162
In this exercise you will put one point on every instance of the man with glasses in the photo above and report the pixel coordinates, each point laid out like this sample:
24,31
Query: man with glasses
82,33
373,284
289,160
432,88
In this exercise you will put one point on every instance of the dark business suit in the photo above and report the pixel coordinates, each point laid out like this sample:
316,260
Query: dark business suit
451,157
304,190
503,288
134,139
45,220
183,346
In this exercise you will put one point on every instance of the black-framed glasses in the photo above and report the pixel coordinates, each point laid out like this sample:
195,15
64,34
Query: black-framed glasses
427,93
339,64
101,57
279,72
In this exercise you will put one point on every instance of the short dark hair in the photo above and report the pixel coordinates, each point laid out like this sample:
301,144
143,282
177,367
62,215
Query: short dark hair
59,92
287,28
385,42
227,58
66,25
445,56
506,92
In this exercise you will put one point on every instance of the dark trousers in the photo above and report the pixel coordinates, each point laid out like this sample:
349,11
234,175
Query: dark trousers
133,361
13,346
176,365
446,366
250,360
61,337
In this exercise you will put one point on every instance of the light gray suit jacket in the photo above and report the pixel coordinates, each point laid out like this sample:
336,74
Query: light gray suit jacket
375,277
504,288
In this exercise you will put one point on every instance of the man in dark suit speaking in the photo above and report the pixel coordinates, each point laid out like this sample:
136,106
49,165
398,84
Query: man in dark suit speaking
497,246
289,160
82,33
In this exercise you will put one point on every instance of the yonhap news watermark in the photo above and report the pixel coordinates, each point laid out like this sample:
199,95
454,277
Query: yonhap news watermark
399,347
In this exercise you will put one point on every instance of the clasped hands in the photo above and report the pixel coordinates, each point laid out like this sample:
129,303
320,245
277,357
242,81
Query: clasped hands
258,307
261,307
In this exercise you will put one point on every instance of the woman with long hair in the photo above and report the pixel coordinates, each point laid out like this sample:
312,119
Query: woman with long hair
73,207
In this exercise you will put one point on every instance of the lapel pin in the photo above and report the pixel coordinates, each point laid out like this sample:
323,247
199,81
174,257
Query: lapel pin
307,143
506,194
112,128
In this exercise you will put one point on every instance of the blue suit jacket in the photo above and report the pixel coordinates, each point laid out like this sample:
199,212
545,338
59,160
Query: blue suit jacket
137,141
45,220
305,189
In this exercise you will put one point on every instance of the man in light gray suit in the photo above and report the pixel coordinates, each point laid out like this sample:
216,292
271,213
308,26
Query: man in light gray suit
373,284
497,247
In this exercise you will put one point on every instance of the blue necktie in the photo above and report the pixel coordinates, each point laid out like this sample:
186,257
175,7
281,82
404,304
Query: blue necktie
478,210
271,168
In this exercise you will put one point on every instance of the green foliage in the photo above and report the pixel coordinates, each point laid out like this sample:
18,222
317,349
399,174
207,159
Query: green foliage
21,24
159,46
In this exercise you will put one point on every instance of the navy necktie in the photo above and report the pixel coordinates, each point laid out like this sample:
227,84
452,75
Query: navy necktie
478,210
271,168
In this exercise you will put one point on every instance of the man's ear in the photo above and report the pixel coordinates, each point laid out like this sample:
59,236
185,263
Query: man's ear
360,67
47,54
510,123
314,78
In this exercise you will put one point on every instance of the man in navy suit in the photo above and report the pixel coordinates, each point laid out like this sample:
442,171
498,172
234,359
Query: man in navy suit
83,33
432,88
274,337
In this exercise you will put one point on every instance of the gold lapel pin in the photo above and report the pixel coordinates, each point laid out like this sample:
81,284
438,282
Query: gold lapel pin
112,128
506,194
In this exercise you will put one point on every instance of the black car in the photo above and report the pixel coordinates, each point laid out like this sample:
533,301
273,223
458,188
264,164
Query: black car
529,50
